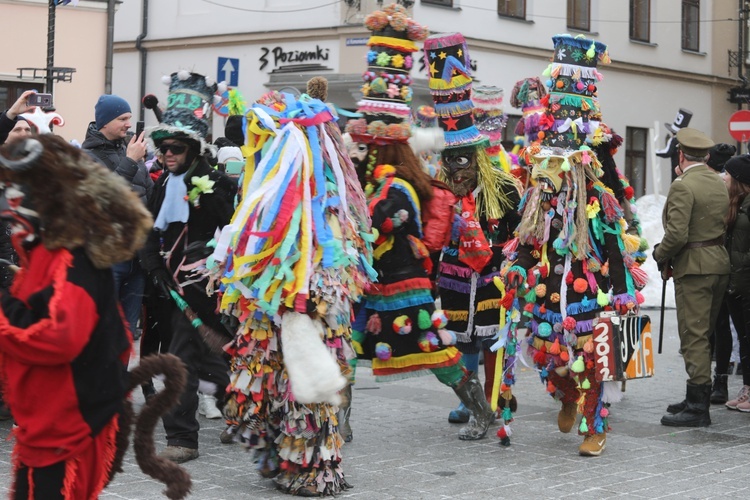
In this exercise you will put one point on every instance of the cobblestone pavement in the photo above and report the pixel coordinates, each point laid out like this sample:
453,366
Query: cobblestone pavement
404,448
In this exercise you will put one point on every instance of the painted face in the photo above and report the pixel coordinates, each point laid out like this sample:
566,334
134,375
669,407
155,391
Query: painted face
358,155
460,169
23,219
548,176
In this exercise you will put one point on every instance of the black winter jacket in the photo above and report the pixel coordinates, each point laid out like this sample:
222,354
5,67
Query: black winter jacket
113,155
213,212
738,246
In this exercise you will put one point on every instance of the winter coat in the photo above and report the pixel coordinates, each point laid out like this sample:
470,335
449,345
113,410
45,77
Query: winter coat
694,212
6,125
738,245
209,214
113,155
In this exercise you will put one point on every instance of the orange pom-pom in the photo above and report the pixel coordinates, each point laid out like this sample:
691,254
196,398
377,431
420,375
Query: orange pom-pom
564,355
580,285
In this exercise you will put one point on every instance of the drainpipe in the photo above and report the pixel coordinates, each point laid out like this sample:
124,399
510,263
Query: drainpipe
110,43
144,56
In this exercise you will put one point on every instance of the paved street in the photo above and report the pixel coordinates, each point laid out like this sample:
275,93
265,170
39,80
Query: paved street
404,448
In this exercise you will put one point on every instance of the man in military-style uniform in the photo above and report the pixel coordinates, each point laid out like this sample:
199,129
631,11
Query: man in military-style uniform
693,244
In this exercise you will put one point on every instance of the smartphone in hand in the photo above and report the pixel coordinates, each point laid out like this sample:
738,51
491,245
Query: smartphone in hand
138,129
38,99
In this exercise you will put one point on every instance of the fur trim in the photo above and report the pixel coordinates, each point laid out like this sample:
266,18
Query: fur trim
82,204
611,392
426,140
175,477
314,375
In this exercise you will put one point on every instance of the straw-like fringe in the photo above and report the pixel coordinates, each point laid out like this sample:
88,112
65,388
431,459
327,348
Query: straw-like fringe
493,201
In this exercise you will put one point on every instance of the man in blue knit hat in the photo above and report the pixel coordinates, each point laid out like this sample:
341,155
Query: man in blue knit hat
108,143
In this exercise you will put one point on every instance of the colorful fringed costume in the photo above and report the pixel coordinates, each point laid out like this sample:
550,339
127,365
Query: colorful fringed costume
295,256
407,335
571,260
476,169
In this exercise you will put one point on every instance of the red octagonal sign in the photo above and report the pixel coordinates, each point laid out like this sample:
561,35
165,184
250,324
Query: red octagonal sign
739,125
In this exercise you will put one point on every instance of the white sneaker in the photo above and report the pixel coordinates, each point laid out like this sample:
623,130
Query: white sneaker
207,406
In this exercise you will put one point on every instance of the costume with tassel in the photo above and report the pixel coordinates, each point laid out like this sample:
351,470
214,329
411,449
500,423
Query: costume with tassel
570,261
294,257
477,170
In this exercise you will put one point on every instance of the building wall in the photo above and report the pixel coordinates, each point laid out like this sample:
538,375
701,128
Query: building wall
80,34
644,86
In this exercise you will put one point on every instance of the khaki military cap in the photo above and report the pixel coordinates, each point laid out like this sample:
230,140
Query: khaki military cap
694,142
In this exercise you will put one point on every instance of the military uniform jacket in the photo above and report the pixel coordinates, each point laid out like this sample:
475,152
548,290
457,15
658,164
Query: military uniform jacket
694,212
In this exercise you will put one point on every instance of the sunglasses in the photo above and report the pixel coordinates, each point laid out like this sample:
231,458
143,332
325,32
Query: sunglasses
176,149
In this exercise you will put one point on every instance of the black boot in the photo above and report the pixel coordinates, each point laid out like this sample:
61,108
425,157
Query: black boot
471,394
719,391
696,412
677,407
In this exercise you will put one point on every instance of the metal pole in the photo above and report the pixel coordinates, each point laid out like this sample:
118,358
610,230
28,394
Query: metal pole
110,43
50,45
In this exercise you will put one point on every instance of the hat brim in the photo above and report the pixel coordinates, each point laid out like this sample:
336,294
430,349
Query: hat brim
159,133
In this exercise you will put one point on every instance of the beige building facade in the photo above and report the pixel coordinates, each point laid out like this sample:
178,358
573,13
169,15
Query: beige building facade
80,44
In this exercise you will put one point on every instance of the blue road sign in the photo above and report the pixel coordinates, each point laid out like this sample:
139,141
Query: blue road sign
229,71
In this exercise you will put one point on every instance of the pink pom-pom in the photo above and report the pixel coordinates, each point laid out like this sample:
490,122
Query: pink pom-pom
447,337
569,323
373,324
504,432
604,413
639,297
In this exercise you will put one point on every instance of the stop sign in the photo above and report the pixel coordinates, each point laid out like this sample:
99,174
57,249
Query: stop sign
739,125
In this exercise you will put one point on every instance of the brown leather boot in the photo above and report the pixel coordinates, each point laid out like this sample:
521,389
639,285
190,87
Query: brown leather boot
593,445
566,419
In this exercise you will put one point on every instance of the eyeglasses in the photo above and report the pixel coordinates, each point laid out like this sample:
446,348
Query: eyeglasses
176,149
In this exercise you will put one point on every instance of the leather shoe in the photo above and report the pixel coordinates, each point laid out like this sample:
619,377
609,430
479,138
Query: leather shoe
179,454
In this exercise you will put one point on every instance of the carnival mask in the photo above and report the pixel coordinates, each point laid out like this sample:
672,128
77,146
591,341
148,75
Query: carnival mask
460,170
548,174
23,219
357,152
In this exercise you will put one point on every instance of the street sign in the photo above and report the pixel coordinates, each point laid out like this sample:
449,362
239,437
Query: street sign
739,125
229,71
739,95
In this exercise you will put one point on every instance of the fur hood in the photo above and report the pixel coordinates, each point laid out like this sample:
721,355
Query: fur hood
80,203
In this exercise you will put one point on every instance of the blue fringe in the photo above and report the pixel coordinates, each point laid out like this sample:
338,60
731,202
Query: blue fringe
416,300
467,136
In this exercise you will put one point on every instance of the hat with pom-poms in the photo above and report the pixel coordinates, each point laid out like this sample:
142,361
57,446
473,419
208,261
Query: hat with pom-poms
387,91
188,111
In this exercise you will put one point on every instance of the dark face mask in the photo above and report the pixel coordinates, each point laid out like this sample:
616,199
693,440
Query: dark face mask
460,169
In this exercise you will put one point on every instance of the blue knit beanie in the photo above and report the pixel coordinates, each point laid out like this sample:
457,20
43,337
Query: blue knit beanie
109,107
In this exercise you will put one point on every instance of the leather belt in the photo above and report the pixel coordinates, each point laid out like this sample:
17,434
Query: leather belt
707,243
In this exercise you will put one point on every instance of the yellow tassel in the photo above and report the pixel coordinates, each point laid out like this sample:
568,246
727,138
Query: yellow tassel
632,243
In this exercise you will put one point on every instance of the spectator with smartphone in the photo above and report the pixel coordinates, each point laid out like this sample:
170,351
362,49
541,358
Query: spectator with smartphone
108,141
10,117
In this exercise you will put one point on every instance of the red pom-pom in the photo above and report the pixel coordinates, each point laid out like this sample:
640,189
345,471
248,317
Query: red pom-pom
564,356
386,226
529,307
551,387
629,192
569,278
540,358
569,323
580,285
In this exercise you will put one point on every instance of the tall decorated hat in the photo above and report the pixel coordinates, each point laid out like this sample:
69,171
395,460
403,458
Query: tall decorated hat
447,60
572,101
188,109
490,120
387,93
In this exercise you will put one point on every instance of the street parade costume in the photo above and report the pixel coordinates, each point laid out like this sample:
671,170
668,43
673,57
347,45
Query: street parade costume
406,335
295,256
64,345
475,168
572,259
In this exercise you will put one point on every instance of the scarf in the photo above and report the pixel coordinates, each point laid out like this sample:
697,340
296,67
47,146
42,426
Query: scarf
175,206
473,248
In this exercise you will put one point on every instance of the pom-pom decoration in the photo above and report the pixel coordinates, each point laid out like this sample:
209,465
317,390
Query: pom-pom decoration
424,320
601,298
429,342
569,323
383,351
402,325
541,290
447,337
580,285
373,324
544,329
439,319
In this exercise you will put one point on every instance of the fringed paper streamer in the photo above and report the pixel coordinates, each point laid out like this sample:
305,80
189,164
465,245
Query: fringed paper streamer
493,201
